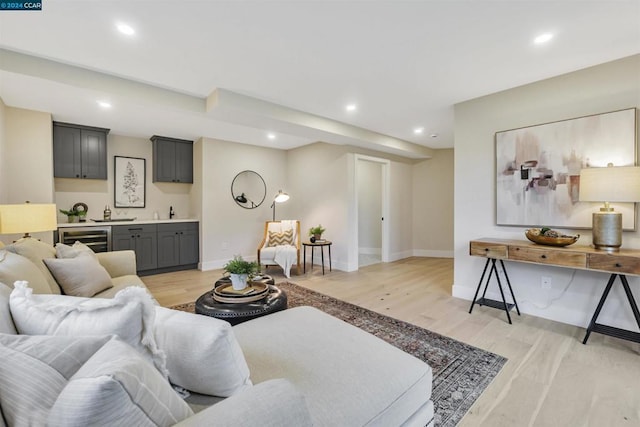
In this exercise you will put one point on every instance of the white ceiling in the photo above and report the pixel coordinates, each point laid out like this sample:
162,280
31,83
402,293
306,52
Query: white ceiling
237,70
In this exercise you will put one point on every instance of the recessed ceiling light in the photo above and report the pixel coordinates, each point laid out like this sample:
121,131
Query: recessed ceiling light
104,104
418,131
351,107
125,29
543,38
434,135
271,136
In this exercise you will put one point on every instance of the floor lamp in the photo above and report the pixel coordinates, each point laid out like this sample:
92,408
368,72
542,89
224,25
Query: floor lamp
279,198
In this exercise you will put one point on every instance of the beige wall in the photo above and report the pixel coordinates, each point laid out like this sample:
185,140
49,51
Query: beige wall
608,87
3,169
433,205
99,193
228,229
28,156
321,178
318,185
27,160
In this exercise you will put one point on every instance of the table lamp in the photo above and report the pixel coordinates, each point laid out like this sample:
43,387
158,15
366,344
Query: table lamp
27,218
610,184
279,198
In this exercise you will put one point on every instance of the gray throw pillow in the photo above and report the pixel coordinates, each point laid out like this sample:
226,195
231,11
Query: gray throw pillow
82,276
78,248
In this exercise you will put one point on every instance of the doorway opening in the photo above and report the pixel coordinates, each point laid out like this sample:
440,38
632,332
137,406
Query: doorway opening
369,230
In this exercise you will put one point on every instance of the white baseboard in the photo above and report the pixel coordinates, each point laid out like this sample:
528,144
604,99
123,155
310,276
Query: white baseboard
569,316
432,254
400,255
370,251
211,265
342,266
219,263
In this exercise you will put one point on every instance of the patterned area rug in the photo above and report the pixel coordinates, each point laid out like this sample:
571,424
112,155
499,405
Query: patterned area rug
460,372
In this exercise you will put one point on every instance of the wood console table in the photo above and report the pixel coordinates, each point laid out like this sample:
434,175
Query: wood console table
617,264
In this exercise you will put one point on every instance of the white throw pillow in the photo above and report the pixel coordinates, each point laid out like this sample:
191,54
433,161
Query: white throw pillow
78,248
35,369
82,276
130,315
203,354
117,387
6,322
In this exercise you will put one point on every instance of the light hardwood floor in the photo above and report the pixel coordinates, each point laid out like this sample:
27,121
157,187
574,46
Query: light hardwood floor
551,378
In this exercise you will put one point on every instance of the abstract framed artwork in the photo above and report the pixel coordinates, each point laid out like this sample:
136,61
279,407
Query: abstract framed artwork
129,182
538,169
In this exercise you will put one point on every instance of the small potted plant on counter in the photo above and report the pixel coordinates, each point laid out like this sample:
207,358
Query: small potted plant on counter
316,233
71,215
240,270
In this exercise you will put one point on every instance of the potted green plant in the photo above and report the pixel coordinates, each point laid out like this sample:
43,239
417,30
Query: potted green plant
71,214
240,270
316,232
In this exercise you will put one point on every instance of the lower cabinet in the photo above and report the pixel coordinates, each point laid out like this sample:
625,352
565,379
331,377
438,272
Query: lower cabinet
178,244
143,239
159,247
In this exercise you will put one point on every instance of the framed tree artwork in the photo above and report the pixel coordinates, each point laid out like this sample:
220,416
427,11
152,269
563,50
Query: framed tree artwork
538,169
129,182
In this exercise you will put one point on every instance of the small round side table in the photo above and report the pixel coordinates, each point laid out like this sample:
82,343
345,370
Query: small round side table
322,245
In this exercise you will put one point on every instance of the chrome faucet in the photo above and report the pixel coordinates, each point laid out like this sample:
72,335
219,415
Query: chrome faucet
171,212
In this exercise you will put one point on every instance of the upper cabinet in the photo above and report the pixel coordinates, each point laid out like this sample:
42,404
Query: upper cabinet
172,160
79,151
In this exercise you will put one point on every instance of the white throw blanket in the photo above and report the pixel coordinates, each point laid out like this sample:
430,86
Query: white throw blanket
286,256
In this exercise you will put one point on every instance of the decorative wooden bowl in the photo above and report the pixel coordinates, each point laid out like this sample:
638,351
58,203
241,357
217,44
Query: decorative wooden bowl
534,235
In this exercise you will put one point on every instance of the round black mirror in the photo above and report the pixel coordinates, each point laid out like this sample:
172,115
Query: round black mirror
248,189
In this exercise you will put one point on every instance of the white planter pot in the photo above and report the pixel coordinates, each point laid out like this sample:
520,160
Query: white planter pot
239,281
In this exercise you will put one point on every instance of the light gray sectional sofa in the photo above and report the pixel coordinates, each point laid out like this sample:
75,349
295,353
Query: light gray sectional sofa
298,367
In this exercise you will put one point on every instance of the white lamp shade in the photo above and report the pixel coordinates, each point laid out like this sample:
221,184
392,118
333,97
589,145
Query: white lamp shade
610,184
27,218
281,197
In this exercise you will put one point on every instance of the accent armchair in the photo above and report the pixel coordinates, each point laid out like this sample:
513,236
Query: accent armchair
281,245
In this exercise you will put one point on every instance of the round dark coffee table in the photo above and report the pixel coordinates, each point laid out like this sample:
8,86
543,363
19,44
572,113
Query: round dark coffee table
234,313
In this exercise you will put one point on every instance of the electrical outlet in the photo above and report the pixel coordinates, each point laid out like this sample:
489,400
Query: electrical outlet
545,282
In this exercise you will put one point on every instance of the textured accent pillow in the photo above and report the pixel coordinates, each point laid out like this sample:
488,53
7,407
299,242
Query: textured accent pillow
213,364
66,251
130,315
279,239
117,387
82,276
14,267
35,369
35,251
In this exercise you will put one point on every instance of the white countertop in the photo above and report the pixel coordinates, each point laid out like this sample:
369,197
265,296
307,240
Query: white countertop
115,221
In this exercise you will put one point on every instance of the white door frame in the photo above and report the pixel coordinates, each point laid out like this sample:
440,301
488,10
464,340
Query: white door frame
353,209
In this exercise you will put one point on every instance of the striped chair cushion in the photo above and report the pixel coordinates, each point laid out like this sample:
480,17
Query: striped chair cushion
278,239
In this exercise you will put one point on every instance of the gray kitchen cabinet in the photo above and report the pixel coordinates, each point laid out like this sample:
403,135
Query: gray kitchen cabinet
79,151
141,238
172,160
178,245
